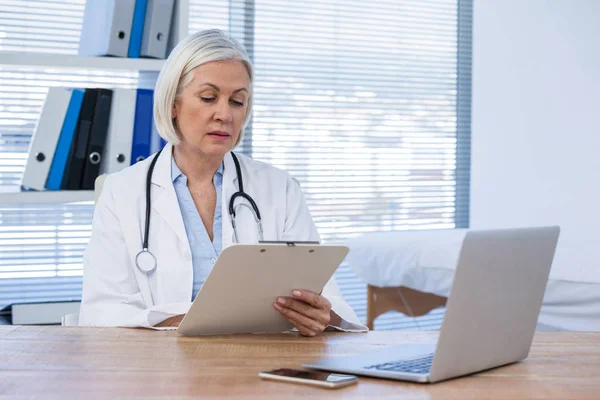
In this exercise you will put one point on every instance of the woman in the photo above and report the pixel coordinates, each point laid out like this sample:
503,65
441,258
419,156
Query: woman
202,103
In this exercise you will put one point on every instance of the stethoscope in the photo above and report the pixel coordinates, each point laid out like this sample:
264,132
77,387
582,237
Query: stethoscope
146,261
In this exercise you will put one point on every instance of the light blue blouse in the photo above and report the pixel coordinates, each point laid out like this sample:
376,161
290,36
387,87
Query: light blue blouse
204,252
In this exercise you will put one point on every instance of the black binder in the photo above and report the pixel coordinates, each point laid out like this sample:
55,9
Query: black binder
76,160
97,139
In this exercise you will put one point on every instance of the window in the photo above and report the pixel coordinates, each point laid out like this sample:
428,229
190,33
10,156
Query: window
41,245
366,104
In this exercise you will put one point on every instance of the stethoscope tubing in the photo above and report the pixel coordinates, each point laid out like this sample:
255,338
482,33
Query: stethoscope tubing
145,260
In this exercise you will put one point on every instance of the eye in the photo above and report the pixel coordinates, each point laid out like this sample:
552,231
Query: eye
208,99
237,103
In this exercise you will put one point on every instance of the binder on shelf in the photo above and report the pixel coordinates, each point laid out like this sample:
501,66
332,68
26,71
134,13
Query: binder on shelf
142,130
76,161
64,144
97,139
157,26
117,149
137,29
41,313
106,29
45,138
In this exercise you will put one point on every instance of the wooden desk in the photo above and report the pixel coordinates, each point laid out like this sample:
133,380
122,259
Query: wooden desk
85,363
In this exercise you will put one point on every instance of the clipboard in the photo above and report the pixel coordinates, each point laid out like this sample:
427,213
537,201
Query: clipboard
238,295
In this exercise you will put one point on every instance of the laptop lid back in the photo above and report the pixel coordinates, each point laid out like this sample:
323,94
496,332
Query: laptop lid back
495,300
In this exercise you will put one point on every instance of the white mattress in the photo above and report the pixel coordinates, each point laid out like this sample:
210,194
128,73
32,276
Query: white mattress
426,260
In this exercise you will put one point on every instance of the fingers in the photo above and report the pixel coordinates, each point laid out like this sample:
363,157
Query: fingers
312,298
309,312
305,325
320,315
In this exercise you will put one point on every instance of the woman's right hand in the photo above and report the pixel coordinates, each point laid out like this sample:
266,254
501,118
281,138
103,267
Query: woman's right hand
171,321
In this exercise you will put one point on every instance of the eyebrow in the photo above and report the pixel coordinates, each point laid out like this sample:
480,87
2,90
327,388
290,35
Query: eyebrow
218,90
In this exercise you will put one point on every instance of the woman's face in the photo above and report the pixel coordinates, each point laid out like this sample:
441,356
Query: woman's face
213,106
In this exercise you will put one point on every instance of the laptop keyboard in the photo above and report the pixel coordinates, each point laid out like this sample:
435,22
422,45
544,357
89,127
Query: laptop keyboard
415,366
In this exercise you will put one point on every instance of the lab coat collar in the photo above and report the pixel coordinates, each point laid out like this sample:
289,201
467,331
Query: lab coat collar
229,174
162,171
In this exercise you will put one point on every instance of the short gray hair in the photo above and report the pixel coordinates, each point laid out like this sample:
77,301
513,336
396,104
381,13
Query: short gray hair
177,72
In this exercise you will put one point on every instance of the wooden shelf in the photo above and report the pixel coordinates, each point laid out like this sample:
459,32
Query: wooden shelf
78,62
51,196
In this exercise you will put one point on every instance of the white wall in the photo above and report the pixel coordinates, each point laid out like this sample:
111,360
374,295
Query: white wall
536,123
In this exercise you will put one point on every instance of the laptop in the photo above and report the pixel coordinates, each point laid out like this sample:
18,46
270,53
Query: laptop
491,313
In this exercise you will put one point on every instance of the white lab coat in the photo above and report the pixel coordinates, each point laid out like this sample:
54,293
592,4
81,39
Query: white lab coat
117,293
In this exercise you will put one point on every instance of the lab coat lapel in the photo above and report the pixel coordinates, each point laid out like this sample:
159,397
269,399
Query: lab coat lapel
165,203
245,219
229,188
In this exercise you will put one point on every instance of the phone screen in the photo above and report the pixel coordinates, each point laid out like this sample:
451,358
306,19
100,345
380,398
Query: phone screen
312,375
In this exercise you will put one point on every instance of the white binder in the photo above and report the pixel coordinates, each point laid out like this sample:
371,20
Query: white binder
44,139
117,150
157,26
106,28
42,313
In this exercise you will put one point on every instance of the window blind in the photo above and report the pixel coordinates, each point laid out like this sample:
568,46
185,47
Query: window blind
41,245
367,105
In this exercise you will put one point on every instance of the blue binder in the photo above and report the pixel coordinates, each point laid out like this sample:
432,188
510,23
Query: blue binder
142,126
67,132
137,29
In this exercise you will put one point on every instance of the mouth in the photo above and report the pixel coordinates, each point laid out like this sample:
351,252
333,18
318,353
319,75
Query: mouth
219,135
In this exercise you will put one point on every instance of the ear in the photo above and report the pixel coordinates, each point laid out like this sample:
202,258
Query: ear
175,108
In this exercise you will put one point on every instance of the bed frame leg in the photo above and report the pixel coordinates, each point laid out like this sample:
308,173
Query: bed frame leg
371,299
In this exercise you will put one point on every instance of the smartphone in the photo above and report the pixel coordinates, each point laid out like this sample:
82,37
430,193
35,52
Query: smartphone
317,378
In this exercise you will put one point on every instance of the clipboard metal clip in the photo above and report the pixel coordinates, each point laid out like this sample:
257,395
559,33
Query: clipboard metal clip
288,244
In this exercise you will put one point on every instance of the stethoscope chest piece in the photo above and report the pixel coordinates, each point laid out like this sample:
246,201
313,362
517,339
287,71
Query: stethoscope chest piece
145,261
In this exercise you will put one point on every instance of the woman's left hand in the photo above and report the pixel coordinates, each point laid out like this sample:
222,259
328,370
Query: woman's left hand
308,311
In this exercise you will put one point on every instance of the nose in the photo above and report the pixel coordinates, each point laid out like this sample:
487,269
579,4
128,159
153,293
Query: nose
223,112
